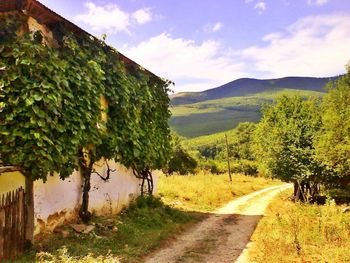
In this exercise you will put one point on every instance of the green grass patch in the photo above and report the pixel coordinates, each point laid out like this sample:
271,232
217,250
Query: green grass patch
140,229
302,233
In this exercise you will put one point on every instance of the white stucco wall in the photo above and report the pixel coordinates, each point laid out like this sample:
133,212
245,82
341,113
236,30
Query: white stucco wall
57,201
112,196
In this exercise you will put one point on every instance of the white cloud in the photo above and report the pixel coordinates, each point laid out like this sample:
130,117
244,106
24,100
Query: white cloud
194,66
213,28
313,46
142,16
317,2
260,6
217,26
111,18
316,46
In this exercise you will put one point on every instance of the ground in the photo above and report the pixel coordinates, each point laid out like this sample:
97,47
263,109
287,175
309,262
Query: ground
223,235
152,222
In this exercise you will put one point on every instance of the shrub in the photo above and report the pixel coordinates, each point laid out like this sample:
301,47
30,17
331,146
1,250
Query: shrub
245,167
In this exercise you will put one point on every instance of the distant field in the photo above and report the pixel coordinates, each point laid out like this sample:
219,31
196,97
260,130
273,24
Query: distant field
203,124
212,116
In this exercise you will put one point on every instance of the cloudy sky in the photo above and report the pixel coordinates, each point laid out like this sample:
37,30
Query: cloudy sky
202,44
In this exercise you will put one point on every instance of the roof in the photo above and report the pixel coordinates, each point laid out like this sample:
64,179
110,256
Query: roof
46,16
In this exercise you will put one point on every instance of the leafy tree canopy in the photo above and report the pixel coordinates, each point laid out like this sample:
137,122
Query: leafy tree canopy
50,104
333,142
284,137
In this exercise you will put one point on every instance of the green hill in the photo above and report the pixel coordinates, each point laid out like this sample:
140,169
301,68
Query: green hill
215,110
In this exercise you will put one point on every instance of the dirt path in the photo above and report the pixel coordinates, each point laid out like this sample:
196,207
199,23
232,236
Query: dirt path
224,235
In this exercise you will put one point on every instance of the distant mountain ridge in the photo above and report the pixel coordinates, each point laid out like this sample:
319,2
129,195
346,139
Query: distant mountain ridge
223,108
246,86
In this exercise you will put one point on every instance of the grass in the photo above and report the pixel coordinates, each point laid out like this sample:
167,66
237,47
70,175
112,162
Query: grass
206,192
211,116
64,257
147,223
302,233
140,229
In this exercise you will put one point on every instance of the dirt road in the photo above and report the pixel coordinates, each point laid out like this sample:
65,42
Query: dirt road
224,235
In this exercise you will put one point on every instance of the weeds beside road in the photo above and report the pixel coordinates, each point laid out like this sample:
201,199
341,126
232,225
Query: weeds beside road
302,233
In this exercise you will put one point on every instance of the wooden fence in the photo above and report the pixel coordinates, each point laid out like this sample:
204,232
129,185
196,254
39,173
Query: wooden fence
12,222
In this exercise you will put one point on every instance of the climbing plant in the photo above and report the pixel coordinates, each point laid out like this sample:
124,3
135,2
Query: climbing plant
50,102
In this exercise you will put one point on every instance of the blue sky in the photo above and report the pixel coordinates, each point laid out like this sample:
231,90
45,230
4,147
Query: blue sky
201,44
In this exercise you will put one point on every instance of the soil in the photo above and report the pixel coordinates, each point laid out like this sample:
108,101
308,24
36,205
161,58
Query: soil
223,236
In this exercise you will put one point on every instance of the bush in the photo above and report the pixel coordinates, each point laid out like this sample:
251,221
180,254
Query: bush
181,162
214,167
245,167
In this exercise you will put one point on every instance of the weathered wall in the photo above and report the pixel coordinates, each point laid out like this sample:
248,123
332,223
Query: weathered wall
57,201
110,197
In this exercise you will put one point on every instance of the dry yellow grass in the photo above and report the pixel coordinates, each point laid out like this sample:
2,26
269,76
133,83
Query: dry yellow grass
293,232
206,192
64,257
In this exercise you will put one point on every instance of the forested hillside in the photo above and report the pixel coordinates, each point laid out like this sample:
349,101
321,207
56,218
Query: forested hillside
211,116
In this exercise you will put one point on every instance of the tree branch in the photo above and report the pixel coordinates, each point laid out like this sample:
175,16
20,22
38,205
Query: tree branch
109,171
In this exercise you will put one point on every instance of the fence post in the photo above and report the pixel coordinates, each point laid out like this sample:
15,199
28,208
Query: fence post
228,158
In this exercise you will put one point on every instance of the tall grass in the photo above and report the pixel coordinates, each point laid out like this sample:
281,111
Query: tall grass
294,232
205,191
64,257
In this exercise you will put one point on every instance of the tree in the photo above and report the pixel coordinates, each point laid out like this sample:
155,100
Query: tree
180,161
333,141
240,143
283,143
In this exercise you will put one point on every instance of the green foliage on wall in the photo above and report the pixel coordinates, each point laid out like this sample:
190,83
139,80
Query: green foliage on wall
51,110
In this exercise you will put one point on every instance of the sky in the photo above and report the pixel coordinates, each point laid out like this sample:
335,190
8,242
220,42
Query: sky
202,44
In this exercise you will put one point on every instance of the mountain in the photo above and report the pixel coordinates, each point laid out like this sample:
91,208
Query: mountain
246,86
222,108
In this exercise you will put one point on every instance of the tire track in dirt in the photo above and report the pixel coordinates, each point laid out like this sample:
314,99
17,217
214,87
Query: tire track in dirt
223,235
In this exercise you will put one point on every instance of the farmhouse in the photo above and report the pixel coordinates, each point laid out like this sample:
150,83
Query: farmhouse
121,108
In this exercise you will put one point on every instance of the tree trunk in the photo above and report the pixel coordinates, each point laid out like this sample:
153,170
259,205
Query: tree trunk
29,212
298,192
85,171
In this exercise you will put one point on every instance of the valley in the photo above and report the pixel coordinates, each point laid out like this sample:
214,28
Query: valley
223,108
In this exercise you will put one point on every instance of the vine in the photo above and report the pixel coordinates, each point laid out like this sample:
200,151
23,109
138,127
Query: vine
50,104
